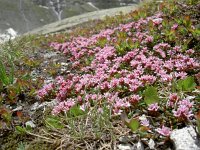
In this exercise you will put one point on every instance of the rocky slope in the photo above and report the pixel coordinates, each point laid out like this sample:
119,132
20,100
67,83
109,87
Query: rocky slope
25,15
68,23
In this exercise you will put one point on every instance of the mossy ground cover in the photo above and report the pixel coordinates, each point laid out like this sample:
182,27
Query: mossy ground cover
134,75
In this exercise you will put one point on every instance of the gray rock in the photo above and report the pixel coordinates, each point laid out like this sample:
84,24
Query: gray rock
37,106
48,80
185,139
124,139
50,54
140,146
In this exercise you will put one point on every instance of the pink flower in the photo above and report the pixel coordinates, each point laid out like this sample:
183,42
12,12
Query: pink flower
149,39
148,79
180,75
45,90
190,51
174,27
135,99
144,121
153,107
165,131
63,106
183,112
186,103
157,21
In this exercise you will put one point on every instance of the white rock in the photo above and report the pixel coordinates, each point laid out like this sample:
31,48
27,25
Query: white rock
9,34
64,64
30,123
17,109
185,139
151,144
35,106
125,147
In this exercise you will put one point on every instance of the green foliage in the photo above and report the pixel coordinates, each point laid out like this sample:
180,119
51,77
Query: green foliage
6,78
122,47
192,2
102,42
20,130
133,125
75,111
196,32
151,95
23,130
54,122
89,60
187,84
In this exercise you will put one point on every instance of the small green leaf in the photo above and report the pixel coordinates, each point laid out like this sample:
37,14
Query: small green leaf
54,122
20,130
75,111
151,95
134,125
187,84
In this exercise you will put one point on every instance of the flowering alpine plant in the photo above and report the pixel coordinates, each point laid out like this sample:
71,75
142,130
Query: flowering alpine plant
153,107
144,121
115,67
164,131
184,109
45,91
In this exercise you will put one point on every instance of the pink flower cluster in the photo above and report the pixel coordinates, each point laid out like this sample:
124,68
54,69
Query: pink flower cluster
108,75
184,109
63,106
45,91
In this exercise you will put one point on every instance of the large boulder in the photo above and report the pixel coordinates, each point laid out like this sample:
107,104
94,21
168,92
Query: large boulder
185,139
